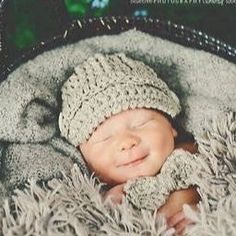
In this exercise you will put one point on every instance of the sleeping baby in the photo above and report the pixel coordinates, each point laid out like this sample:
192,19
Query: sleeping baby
121,117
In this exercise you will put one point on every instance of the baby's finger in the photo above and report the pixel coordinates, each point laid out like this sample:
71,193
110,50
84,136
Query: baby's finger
175,219
180,227
115,198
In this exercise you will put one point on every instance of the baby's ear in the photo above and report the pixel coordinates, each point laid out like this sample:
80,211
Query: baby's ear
174,132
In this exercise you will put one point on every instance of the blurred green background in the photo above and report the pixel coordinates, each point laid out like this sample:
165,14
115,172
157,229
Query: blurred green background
30,21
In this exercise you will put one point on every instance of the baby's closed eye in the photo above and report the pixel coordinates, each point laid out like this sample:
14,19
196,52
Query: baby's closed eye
143,123
102,138
105,137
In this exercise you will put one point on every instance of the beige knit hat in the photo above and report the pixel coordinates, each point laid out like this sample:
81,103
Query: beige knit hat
105,85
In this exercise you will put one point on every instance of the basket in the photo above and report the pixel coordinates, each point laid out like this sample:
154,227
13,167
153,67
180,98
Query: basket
84,28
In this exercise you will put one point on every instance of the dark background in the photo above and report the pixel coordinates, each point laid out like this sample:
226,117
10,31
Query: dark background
28,22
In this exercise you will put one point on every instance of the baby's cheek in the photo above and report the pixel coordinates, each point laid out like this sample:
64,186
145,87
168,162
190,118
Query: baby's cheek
164,144
102,158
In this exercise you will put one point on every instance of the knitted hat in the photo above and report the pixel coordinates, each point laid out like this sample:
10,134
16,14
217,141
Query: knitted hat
105,85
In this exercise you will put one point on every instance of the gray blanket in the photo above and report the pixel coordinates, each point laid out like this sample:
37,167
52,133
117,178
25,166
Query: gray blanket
73,206
30,142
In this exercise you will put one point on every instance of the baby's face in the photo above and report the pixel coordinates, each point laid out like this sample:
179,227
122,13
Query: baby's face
130,144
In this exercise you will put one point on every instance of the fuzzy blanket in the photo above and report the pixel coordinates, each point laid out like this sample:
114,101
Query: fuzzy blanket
73,205
31,146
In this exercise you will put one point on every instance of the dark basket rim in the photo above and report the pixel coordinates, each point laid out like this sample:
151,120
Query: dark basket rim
90,27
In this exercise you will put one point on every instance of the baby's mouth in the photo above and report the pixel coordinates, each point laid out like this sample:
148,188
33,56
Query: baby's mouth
134,162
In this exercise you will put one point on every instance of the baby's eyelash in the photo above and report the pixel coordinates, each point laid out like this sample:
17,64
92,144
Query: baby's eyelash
104,139
138,125
143,123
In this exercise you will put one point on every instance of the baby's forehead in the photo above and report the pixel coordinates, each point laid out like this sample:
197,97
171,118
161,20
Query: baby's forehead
134,113
130,115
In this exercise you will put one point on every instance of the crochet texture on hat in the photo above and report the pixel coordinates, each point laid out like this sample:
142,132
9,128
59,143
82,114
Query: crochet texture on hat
104,85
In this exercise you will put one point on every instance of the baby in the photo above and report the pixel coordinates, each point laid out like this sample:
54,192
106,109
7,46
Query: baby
119,114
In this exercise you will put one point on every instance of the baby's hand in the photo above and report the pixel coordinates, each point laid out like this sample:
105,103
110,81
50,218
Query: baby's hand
115,193
178,221
173,208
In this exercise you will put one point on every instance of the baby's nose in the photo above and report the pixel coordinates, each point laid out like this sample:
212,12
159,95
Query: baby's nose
129,142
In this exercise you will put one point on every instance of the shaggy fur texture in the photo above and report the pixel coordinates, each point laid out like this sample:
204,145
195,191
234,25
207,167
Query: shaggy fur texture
73,205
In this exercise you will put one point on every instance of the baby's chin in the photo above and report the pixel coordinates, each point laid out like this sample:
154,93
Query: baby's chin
144,169
126,177
137,174
125,173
